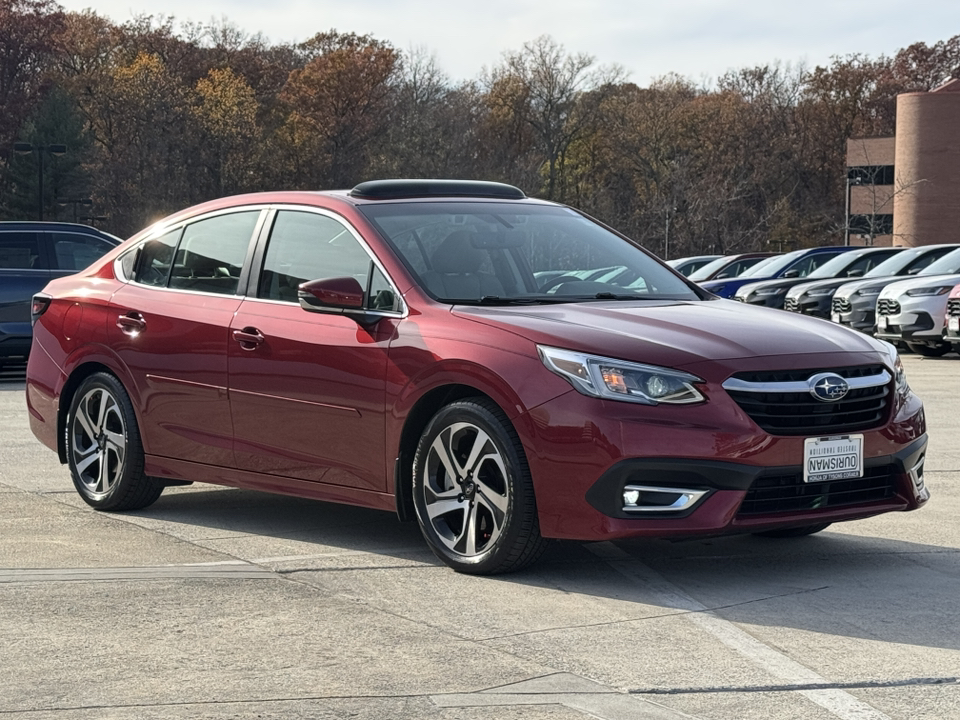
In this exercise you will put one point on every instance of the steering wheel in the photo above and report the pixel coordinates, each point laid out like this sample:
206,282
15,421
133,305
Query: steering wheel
556,282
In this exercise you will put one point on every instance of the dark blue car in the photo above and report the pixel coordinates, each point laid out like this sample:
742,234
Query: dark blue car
796,264
31,254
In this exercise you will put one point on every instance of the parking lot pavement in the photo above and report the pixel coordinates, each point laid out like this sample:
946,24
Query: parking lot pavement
222,603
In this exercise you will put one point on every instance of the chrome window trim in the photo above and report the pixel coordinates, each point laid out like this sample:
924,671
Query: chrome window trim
803,386
402,312
164,229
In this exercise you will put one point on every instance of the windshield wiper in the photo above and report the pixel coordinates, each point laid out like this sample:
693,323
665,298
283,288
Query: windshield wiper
539,300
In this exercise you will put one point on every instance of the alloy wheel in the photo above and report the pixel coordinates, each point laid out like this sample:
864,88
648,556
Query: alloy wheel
99,441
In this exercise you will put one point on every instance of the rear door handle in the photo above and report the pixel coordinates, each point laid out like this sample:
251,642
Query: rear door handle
249,338
131,323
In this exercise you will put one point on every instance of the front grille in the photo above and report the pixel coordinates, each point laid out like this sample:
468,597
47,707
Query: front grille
799,413
790,494
953,307
888,307
840,305
791,304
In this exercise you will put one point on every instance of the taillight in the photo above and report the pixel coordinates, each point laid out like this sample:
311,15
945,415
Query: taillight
41,301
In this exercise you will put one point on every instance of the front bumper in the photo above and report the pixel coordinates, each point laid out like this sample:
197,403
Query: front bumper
858,313
584,452
917,319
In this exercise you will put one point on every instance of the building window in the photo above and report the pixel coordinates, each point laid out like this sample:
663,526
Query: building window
871,174
871,225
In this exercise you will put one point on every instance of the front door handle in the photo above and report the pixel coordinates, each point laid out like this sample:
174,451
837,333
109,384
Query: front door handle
249,338
131,324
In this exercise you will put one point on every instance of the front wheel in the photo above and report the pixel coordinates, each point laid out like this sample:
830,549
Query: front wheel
104,450
473,492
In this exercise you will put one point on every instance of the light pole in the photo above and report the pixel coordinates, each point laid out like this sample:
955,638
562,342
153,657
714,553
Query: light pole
25,148
851,181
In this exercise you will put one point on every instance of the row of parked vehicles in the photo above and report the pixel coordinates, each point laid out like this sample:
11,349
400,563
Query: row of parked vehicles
907,296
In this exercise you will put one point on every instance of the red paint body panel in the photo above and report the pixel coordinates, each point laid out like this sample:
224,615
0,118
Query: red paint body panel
315,404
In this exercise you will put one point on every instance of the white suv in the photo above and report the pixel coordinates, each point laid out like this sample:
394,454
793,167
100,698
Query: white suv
913,312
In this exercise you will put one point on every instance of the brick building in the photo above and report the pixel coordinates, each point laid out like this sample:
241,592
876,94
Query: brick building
905,190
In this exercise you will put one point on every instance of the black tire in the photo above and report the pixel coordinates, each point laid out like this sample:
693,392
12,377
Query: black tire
103,445
473,493
938,350
794,532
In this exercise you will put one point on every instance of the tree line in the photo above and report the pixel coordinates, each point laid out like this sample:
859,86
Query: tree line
158,115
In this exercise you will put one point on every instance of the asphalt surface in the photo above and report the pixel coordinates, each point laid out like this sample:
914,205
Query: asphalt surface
221,603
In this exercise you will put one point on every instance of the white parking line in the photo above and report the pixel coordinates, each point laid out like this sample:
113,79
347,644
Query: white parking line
837,702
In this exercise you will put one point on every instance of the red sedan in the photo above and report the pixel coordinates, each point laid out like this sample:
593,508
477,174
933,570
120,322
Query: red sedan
500,369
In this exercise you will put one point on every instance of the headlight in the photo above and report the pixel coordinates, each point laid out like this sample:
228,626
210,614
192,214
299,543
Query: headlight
819,292
899,375
621,380
932,290
868,292
770,291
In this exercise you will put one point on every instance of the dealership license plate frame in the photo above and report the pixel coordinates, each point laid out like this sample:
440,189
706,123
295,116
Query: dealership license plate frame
846,451
882,322
953,323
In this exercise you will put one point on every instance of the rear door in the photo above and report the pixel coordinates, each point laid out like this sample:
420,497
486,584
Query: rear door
170,327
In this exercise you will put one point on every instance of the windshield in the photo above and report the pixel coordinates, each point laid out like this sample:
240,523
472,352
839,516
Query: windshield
709,269
893,265
492,253
772,265
834,266
947,265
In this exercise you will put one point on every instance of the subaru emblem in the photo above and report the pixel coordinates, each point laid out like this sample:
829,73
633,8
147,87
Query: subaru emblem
828,387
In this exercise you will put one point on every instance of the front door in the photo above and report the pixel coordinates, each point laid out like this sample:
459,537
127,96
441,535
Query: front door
307,389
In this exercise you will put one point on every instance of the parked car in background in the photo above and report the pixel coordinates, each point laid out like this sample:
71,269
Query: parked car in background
407,346
855,303
773,293
31,254
951,325
913,311
813,296
796,264
728,266
687,265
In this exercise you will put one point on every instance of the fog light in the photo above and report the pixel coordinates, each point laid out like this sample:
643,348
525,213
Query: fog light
647,498
630,497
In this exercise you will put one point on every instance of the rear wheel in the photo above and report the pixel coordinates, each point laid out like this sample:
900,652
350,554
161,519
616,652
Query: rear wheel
473,492
938,350
793,532
104,450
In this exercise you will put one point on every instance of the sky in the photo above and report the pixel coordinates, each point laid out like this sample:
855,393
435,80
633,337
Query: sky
699,39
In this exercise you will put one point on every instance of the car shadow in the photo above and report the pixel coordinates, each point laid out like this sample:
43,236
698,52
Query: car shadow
834,583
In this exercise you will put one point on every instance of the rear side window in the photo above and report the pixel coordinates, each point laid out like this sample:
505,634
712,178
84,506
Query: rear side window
72,251
307,246
156,258
212,251
20,250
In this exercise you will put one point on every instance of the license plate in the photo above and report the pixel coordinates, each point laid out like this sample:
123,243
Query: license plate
882,322
953,324
835,317
832,458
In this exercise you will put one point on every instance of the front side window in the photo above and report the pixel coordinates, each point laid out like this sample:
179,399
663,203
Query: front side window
72,251
19,250
306,246
491,252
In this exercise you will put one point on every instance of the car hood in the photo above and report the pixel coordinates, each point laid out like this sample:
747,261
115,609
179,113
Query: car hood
895,290
673,333
803,287
851,286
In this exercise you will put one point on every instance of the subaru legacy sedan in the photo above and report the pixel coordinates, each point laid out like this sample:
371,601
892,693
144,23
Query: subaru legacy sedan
499,369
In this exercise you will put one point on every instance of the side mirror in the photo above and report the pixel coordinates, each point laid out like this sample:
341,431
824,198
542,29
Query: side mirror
792,274
913,271
721,275
336,296
855,273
